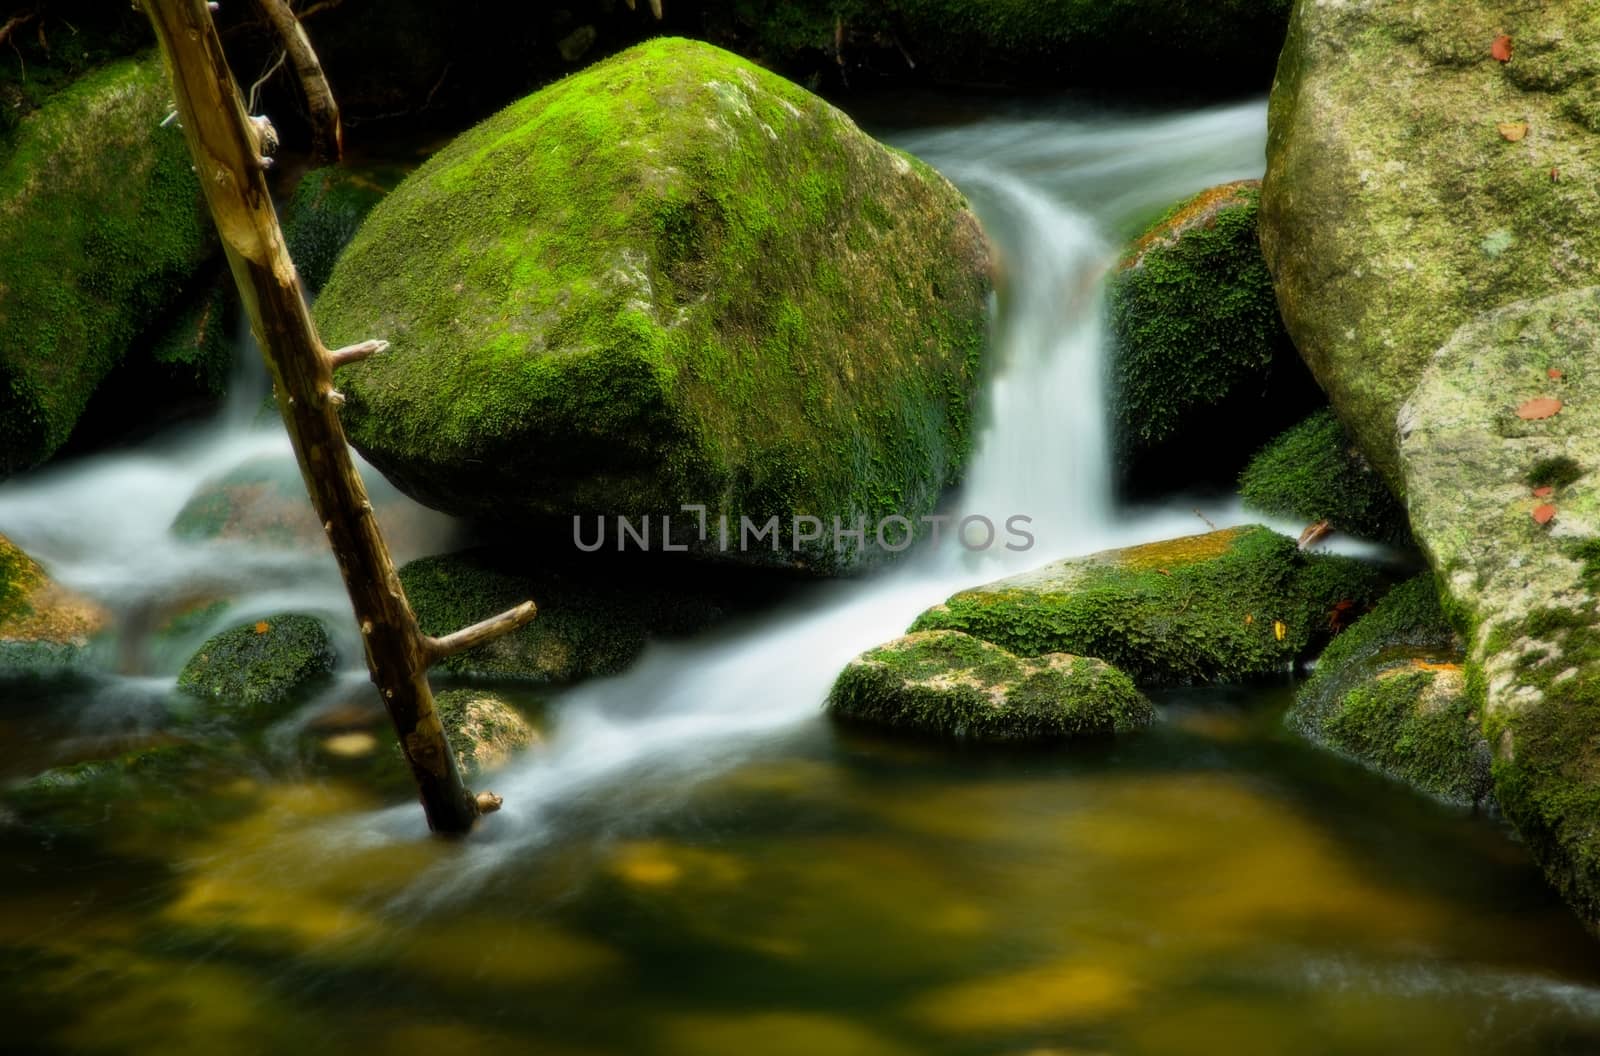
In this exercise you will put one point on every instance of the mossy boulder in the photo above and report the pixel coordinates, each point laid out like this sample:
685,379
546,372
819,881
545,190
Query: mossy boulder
484,731
595,616
950,684
1392,693
44,628
258,669
1314,472
1201,368
326,209
1220,607
1524,592
101,226
673,278
1395,208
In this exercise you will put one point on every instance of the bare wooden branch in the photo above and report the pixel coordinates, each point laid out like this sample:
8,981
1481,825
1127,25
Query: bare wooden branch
479,633
225,143
14,23
356,353
327,136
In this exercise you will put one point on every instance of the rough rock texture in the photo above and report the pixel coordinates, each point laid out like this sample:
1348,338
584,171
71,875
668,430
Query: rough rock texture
1525,593
483,730
1219,607
1394,209
1392,692
1201,369
44,628
673,278
953,685
100,226
255,670
1313,472
595,617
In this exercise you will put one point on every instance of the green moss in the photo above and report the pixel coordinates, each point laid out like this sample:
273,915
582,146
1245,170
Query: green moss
483,730
326,209
1200,361
256,669
1557,472
100,227
595,617
949,684
635,289
1178,616
1314,472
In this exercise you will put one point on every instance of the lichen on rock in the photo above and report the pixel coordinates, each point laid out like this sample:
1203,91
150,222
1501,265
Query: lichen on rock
950,684
45,629
484,730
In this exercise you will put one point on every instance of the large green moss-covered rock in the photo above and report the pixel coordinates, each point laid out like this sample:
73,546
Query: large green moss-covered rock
1313,472
1527,593
1395,208
44,628
1201,369
256,669
673,278
1219,607
100,226
484,730
1392,692
954,685
325,211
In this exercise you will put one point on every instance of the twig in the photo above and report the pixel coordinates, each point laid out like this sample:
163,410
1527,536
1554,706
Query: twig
1203,517
14,23
250,101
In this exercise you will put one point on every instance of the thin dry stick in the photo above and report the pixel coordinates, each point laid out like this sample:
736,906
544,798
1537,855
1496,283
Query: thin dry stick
227,148
327,136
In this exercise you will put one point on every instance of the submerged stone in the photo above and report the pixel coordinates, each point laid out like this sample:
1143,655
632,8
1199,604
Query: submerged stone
1201,368
953,685
484,730
1221,607
671,279
1392,692
1313,472
44,628
255,670
101,224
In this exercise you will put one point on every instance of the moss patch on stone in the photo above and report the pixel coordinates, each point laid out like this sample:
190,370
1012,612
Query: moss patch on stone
484,731
325,211
673,278
1392,693
595,616
45,630
1201,367
100,227
949,684
1172,614
1313,472
255,670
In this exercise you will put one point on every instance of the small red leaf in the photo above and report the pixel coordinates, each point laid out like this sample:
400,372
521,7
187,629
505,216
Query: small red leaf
1555,175
1501,48
1544,492
1542,407
1543,514
1555,374
1513,131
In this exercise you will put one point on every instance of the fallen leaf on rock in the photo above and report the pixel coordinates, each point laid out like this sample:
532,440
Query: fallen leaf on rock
1314,533
1430,665
1543,514
1554,374
1544,492
1539,407
1249,618
1279,630
263,627
1555,175
1501,48
1513,130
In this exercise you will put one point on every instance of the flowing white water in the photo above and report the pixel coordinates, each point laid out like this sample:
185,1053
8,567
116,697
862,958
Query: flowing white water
1055,192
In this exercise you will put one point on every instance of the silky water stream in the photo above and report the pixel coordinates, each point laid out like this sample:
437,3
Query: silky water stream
694,861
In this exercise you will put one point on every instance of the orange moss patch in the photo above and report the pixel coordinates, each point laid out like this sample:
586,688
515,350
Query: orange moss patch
33,608
1198,211
1189,550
